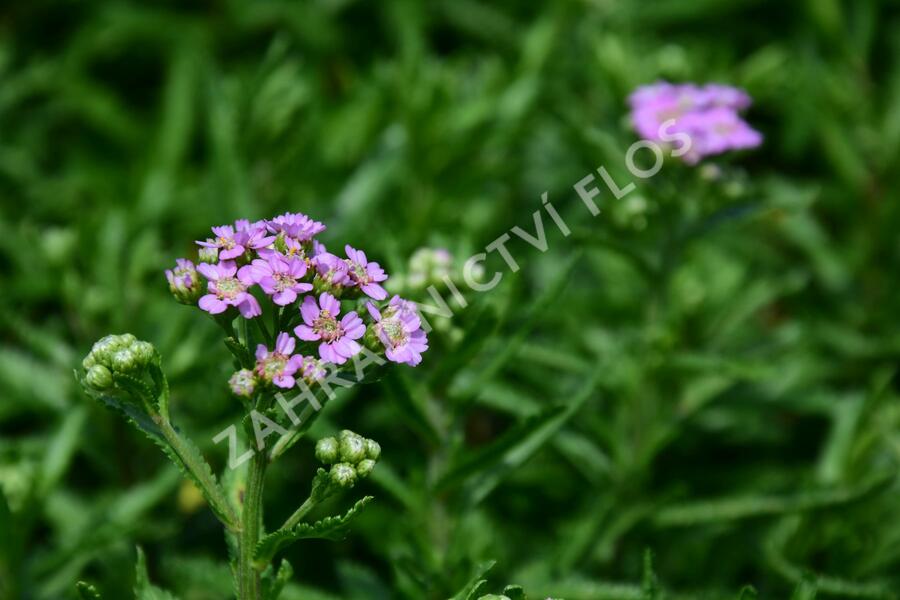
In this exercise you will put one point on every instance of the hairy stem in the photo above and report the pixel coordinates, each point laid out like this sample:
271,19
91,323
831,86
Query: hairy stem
251,529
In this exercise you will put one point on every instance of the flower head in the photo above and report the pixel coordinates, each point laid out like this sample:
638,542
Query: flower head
232,242
280,277
367,275
184,283
337,337
399,330
228,287
243,383
226,241
312,369
208,253
332,270
717,130
279,365
708,115
295,225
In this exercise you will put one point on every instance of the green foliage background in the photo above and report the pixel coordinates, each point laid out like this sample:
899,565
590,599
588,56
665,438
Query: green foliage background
706,370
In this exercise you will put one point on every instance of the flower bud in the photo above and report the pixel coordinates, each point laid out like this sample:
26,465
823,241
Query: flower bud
352,447
429,266
243,383
364,468
104,348
373,449
123,353
184,282
124,361
98,377
143,352
208,255
343,475
327,450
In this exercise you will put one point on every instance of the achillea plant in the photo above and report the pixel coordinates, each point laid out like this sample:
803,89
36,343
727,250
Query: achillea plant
326,315
703,120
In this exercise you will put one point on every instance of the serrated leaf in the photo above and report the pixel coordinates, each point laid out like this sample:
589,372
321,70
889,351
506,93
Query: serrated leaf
476,582
180,450
188,458
329,528
241,353
143,589
273,585
87,592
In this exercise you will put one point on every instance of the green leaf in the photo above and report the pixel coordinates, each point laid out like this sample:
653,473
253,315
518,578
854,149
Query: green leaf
809,583
476,582
61,449
805,590
412,407
742,507
511,344
8,549
330,528
515,592
180,450
650,582
273,585
87,592
143,589
188,458
487,468
241,353
748,592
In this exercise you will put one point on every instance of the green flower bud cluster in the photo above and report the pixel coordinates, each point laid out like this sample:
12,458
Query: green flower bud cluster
350,455
429,266
116,354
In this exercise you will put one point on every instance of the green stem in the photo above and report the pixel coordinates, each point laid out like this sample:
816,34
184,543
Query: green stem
298,515
264,331
306,418
251,530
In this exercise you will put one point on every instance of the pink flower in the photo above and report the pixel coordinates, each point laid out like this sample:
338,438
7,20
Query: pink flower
228,287
279,277
226,241
321,324
295,225
184,283
232,243
365,274
708,115
399,329
332,269
313,369
278,366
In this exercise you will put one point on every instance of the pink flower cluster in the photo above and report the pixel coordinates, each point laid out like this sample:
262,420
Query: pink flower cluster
707,115
278,266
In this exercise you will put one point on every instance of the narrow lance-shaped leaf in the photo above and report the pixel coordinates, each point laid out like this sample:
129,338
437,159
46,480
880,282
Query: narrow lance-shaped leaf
483,471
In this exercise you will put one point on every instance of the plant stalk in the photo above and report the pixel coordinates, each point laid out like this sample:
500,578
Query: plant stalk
249,583
298,515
